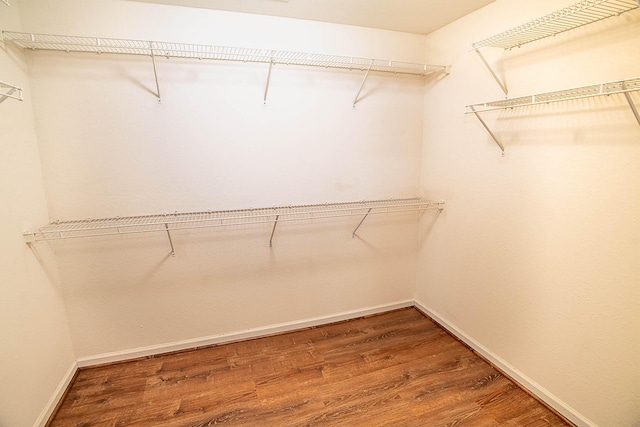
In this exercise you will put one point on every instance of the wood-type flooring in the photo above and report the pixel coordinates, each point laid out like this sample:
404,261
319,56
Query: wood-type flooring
394,369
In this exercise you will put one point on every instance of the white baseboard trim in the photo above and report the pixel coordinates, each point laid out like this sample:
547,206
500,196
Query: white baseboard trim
526,382
41,421
119,356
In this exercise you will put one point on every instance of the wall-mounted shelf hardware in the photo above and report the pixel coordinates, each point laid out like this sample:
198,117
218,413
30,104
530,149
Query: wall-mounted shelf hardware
155,49
10,91
169,223
471,109
618,87
576,15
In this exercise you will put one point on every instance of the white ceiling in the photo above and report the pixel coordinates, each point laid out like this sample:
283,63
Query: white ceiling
410,16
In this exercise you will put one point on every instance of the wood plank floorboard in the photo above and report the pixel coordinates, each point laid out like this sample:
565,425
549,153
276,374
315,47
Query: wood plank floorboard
394,369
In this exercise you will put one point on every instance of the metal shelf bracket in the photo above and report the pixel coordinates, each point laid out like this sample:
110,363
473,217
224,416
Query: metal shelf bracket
502,85
275,223
634,110
353,235
9,91
266,87
173,252
155,72
486,127
355,100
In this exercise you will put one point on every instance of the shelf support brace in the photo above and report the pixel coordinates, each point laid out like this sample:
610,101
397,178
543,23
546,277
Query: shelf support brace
273,231
355,100
266,87
155,72
493,74
631,104
10,92
173,252
353,235
475,113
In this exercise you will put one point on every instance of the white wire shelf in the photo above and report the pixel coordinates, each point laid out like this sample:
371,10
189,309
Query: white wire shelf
621,86
167,223
218,53
576,15
10,91
169,50
611,88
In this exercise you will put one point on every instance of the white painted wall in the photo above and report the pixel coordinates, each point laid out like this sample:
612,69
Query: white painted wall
108,148
35,346
537,256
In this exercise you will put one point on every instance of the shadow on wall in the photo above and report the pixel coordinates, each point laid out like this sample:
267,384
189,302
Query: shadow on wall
563,123
597,35
230,255
428,222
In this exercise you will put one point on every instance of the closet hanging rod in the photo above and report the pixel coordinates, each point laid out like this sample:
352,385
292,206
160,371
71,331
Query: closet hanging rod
620,86
219,53
197,220
576,15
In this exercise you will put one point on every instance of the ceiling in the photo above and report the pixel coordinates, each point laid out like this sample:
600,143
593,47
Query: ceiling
409,16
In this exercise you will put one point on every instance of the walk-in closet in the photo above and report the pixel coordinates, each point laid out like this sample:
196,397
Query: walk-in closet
320,212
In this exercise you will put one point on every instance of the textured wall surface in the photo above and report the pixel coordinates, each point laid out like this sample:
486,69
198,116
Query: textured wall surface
35,347
108,149
537,256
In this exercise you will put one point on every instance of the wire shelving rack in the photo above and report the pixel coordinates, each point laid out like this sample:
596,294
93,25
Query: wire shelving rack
576,15
158,49
168,223
624,87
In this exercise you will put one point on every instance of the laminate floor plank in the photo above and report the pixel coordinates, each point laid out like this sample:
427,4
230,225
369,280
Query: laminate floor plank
394,369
